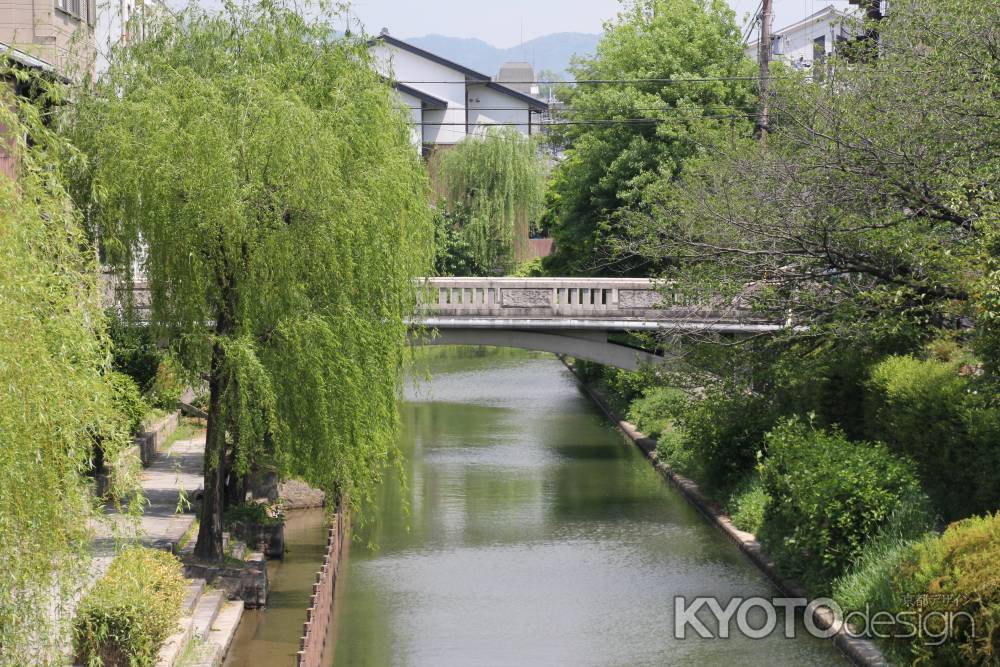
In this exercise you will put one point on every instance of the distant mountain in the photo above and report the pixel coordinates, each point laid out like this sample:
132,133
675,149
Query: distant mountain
551,52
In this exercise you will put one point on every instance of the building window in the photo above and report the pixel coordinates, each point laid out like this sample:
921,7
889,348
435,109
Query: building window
777,45
819,49
81,9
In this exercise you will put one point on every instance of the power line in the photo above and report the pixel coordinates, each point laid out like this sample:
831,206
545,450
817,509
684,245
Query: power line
602,121
554,110
707,79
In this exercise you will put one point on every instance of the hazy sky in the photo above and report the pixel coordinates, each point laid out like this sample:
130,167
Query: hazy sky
501,22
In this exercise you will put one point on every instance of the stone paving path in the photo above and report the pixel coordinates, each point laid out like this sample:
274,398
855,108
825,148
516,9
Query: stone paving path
176,471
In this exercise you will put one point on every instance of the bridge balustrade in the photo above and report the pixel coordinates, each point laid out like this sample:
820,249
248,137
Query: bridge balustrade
547,297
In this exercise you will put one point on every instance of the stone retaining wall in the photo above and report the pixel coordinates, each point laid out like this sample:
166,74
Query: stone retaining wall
152,439
312,644
859,651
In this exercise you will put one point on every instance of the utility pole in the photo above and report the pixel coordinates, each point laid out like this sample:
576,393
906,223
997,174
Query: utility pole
764,60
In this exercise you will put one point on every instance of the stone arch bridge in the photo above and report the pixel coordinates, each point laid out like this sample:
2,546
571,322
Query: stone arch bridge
572,316
577,317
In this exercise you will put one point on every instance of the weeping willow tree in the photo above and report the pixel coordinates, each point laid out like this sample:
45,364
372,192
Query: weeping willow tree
54,396
496,184
261,175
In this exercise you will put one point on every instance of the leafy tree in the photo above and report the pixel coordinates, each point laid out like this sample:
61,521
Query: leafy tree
866,210
268,174
608,165
452,252
495,183
53,360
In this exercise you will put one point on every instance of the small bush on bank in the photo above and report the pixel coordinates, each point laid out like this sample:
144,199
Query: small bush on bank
622,387
954,576
829,495
128,614
589,372
868,583
722,434
656,411
128,401
254,513
747,505
930,412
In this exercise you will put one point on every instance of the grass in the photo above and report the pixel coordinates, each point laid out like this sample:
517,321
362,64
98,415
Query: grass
189,535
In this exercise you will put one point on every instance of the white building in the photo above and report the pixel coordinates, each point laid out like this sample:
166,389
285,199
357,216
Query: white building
810,40
120,22
448,101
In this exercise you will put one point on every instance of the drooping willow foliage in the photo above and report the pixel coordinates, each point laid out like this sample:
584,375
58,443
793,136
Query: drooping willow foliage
266,174
55,395
498,182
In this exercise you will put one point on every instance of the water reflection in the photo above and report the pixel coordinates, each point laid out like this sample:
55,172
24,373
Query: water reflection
534,537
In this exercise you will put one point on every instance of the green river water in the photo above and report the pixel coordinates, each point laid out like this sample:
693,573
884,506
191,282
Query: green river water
527,532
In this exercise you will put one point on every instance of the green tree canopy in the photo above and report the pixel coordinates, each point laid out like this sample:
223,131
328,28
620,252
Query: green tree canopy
494,184
867,208
608,165
262,175
55,396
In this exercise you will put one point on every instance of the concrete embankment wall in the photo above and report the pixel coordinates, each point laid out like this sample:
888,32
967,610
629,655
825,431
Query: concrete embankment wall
859,651
312,644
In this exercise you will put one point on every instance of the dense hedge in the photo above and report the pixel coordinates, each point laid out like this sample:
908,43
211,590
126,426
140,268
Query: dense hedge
930,412
828,496
129,613
953,582
657,410
722,434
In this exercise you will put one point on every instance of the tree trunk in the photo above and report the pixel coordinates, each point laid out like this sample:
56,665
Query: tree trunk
209,545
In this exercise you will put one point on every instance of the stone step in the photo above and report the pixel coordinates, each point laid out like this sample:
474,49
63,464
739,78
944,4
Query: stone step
207,611
211,652
194,591
173,648
225,626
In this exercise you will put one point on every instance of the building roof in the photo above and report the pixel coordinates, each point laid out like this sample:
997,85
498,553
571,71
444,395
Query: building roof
477,77
451,64
429,100
25,60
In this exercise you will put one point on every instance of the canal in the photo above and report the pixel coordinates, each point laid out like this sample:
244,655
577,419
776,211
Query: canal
525,532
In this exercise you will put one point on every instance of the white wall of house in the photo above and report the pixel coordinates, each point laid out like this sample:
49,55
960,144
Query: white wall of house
450,86
489,107
414,108
796,44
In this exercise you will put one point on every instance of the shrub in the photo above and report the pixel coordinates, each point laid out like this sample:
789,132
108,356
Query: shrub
133,351
531,268
254,513
589,372
829,495
657,410
129,613
671,449
930,412
128,400
621,387
722,434
747,505
956,575
168,385
868,583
